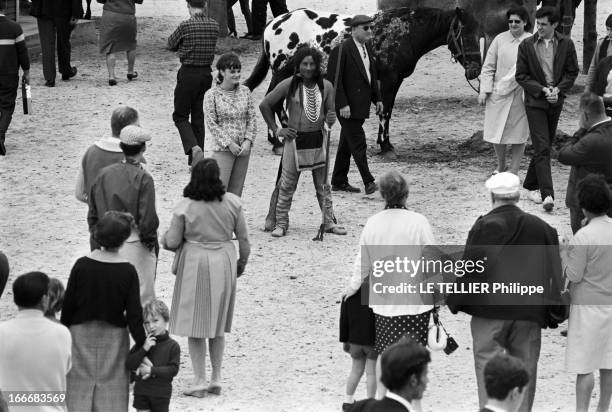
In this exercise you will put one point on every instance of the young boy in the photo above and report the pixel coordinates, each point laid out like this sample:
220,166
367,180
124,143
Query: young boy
194,40
13,53
156,362
357,332
505,380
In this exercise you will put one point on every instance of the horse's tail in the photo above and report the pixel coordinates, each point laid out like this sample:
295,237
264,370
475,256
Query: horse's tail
259,71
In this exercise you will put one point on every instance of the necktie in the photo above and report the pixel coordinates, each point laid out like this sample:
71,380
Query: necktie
365,54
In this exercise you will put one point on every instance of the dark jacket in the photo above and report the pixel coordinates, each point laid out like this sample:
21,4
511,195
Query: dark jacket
601,76
591,153
50,9
357,319
13,50
353,88
517,248
530,76
165,357
382,405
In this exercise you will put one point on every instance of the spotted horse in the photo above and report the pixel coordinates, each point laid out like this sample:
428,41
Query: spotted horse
401,37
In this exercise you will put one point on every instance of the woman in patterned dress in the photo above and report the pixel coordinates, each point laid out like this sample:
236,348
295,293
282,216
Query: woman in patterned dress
206,270
395,231
229,113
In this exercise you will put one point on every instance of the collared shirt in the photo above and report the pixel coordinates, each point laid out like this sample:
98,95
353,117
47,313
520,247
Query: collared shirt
363,53
195,40
35,355
494,408
545,50
401,400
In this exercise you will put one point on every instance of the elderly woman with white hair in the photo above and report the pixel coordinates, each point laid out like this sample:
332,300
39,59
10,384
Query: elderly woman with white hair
398,232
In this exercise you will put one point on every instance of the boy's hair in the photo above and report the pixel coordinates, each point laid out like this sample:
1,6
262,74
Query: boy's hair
156,307
56,296
122,116
29,289
502,374
402,360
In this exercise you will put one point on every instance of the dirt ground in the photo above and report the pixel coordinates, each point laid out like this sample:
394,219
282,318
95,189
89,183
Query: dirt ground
283,352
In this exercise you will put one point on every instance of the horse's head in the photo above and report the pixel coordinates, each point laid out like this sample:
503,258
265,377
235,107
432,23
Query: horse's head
464,42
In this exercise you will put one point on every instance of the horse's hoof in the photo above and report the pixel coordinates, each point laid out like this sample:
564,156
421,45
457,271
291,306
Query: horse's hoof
278,150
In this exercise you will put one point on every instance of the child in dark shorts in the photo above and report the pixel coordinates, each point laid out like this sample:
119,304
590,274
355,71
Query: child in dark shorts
357,334
156,362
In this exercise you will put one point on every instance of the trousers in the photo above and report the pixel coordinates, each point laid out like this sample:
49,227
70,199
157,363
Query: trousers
542,127
260,11
352,142
233,170
9,84
288,183
191,84
52,32
519,338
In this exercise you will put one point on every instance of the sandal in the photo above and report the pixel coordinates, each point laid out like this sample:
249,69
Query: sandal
197,393
132,76
279,232
336,230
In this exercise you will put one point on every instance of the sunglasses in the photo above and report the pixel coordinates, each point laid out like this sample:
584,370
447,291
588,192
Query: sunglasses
515,21
366,28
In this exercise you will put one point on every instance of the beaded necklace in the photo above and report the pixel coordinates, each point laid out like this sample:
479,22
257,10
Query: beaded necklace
312,102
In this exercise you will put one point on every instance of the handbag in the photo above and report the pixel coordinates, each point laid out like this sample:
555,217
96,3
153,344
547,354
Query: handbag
559,313
175,262
438,338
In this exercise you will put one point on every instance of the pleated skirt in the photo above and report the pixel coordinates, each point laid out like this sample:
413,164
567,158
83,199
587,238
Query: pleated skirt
117,32
98,379
204,291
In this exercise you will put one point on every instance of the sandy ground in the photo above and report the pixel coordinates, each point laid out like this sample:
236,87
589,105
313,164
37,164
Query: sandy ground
283,352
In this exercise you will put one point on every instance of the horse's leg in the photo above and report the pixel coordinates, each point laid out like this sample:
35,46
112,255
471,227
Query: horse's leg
87,15
389,92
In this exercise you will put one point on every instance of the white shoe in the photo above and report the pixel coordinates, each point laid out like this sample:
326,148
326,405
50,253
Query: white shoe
535,196
548,204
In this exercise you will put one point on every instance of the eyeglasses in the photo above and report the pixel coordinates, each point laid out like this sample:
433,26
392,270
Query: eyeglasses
366,28
515,21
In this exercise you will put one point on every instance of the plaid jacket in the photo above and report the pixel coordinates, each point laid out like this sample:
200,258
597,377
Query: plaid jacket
195,40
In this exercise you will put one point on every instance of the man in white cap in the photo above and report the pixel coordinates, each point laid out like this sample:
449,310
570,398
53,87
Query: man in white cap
516,248
127,187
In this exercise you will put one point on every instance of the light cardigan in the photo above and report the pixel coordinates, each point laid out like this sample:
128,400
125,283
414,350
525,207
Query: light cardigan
392,232
35,355
230,116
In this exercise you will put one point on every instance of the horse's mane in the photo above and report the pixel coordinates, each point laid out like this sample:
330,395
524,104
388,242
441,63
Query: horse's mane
421,14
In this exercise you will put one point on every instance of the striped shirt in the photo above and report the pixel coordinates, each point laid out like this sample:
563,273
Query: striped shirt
195,40
13,50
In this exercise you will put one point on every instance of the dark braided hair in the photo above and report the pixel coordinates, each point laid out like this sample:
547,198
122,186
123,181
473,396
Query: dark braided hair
301,53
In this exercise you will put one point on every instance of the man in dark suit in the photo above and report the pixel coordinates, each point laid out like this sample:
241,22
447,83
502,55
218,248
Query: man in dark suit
404,374
357,87
505,379
514,248
56,19
546,68
590,151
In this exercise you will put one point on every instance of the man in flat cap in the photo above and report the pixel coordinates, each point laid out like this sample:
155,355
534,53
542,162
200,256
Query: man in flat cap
514,247
128,187
356,87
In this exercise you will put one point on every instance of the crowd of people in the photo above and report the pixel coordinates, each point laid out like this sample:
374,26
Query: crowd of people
110,295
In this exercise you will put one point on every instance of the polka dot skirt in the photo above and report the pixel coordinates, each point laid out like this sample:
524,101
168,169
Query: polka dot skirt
390,329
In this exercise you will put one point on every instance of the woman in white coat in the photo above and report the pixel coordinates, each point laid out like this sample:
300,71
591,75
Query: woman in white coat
505,118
